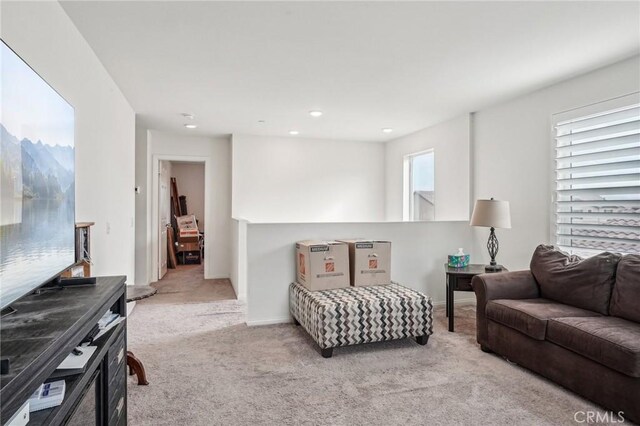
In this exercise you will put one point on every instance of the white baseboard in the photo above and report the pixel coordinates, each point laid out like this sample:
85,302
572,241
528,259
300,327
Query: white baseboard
130,306
216,277
269,322
466,301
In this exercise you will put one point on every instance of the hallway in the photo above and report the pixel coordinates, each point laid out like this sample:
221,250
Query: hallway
186,284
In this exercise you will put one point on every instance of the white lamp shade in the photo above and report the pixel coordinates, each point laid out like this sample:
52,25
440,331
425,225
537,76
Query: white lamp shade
491,213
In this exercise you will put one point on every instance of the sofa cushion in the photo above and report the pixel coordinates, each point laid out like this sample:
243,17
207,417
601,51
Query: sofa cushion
584,283
610,341
625,300
530,316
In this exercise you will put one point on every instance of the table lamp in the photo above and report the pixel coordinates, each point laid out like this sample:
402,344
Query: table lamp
492,214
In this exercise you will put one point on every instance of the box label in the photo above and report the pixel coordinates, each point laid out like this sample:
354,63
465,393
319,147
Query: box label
373,263
333,274
315,249
364,245
301,264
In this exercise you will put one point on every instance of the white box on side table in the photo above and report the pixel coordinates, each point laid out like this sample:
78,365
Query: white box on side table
370,262
322,265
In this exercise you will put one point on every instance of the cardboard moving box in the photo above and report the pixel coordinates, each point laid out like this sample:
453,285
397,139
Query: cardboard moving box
370,262
191,257
187,229
188,236
322,265
188,247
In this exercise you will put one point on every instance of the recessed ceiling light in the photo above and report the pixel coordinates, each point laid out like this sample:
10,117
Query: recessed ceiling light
387,130
294,132
315,113
187,115
190,126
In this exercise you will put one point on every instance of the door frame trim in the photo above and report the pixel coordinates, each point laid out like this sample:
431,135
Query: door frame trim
159,254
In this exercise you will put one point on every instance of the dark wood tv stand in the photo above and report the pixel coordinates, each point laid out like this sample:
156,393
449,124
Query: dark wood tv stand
43,331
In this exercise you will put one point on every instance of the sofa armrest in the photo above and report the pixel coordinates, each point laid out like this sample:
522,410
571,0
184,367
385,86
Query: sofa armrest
503,285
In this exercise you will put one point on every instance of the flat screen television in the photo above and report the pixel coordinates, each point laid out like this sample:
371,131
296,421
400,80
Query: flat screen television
37,180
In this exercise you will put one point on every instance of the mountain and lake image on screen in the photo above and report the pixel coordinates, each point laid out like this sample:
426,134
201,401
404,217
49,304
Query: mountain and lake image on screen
37,180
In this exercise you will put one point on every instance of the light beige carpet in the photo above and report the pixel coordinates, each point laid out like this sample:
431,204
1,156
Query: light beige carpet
186,284
206,367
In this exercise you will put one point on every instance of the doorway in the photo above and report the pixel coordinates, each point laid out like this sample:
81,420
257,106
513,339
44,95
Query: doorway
187,227
182,240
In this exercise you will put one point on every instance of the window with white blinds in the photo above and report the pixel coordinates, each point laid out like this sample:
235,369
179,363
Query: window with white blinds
598,179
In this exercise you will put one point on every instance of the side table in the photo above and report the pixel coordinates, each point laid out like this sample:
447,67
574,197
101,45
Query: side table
138,292
459,279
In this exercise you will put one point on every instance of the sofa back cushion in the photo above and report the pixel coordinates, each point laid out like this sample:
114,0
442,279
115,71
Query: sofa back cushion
625,301
583,283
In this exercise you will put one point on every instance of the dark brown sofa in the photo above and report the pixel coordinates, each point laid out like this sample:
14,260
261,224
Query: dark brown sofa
575,321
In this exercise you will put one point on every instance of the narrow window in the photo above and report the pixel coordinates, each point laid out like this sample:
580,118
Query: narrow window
420,186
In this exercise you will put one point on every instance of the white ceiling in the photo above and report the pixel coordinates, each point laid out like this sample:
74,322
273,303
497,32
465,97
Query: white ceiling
367,65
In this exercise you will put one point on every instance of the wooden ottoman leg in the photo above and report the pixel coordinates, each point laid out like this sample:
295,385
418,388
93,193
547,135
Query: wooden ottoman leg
326,353
485,349
136,365
422,340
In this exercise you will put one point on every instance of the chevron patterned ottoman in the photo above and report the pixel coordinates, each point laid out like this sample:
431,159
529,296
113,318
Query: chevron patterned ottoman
353,315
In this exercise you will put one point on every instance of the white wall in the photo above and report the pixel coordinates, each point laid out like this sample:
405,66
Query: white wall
282,179
513,154
142,239
44,36
190,182
239,258
215,152
511,159
419,253
451,143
